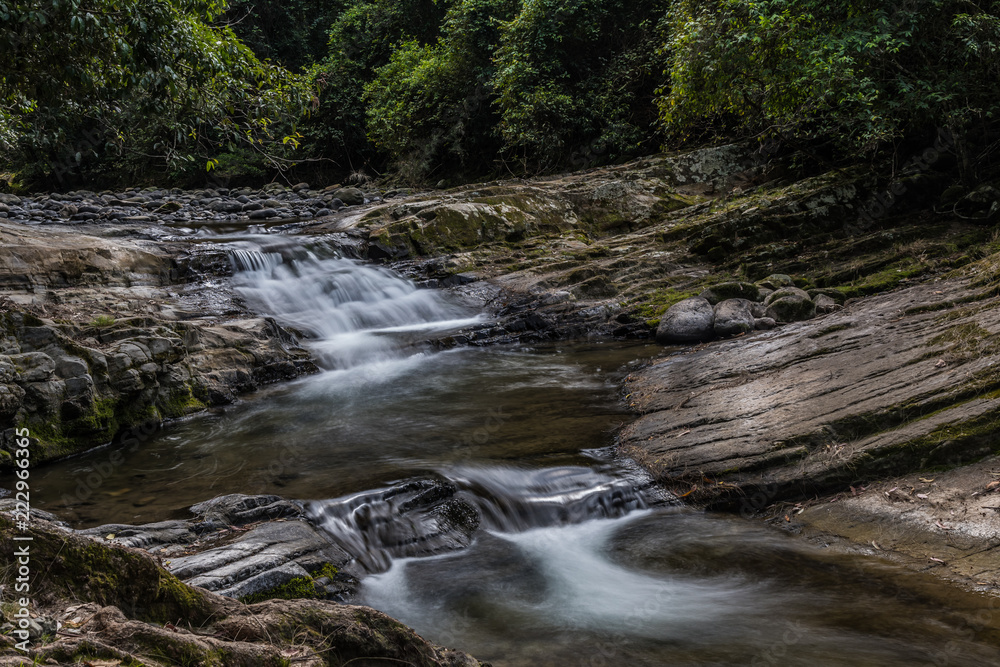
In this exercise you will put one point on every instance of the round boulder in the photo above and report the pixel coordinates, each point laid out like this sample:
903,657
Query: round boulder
732,290
733,317
790,304
687,321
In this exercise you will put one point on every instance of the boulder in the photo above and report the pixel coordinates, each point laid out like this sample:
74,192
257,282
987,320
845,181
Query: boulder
776,281
733,317
687,321
731,290
349,196
825,304
790,304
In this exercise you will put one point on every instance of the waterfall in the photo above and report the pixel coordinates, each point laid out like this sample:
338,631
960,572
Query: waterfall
355,313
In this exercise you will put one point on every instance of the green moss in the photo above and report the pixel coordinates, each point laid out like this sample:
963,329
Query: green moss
652,307
181,403
293,589
297,588
101,418
884,280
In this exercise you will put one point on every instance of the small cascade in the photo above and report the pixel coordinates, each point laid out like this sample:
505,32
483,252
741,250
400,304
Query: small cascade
426,517
356,313
513,500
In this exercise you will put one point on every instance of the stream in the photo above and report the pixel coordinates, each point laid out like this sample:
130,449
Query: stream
578,560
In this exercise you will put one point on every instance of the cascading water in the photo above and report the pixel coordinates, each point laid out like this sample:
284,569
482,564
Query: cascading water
379,526
356,313
498,524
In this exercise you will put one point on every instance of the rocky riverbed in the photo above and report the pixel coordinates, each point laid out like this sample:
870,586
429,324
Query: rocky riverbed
845,390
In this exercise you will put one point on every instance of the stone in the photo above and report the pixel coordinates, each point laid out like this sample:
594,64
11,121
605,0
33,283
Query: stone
825,304
71,367
776,281
731,290
790,304
733,317
687,321
350,196
263,214
764,323
34,366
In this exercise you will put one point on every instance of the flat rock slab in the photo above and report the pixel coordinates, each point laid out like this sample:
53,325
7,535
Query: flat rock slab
239,546
944,522
891,384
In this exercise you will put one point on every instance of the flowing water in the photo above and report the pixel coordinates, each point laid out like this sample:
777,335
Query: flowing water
578,559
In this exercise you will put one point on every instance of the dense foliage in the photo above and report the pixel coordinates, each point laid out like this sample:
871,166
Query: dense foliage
852,75
146,84
460,89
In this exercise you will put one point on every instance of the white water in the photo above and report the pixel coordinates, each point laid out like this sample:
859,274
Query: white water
357,314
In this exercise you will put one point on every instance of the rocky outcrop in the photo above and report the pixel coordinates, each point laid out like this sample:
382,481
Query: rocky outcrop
76,387
888,385
116,604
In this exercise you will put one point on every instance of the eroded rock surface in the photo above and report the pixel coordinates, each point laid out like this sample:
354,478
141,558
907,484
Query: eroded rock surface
891,384
117,604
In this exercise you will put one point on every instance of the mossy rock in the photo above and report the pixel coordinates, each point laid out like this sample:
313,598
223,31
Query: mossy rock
80,568
776,281
731,290
790,308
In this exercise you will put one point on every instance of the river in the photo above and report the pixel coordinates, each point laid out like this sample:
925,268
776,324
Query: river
579,559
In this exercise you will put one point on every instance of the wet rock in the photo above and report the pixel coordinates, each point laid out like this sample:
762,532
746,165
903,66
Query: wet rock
733,317
824,404
688,321
123,602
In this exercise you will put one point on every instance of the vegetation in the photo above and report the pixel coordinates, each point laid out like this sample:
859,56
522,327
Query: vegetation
458,89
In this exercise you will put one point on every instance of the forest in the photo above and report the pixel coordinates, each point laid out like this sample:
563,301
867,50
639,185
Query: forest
185,92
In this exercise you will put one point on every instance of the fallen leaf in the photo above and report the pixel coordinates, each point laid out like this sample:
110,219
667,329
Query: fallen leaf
937,560
941,363
876,545
788,518
925,480
922,496
103,663
994,484
109,536
941,525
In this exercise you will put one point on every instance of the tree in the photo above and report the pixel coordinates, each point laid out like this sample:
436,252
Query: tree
88,83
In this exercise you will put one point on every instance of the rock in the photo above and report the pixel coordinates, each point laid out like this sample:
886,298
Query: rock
764,323
733,317
731,290
790,304
825,304
349,196
123,602
263,214
855,396
33,366
776,281
687,321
